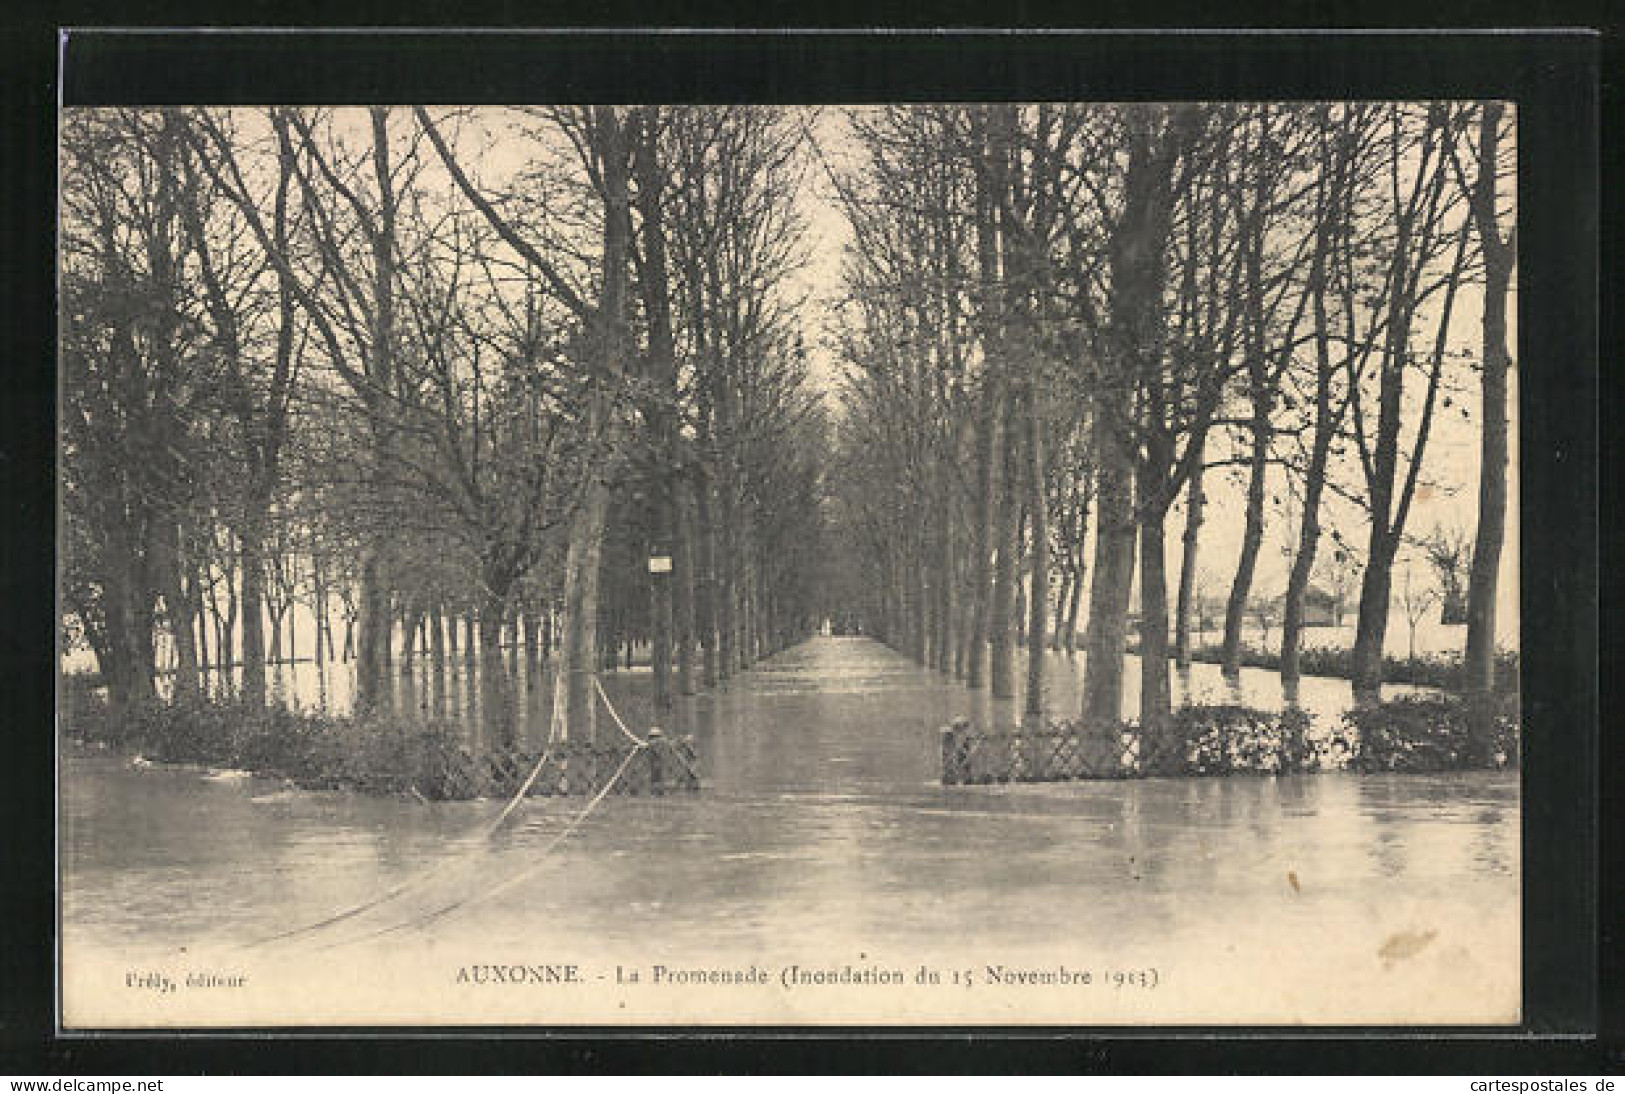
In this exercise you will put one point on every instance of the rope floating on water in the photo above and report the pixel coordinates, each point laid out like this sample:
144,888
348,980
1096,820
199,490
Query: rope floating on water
524,789
555,721
633,737
511,881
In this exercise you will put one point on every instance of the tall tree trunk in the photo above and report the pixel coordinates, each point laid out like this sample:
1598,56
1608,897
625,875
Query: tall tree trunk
1252,537
987,525
1063,595
1371,624
964,600
1137,246
983,533
1388,519
228,622
921,629
947,600
437,638
578,649
495,693
1075,599
1483,584
1114,569
1156,699
1007,539
409,636
1314,482
662,366
1039,596
706,589
1303,562
727,574
372,631
251,552
1018,615
749,650
319,605
206,660
1189,545
375,623
1297,584
531,633
1415,236
683,573
390,621
178,609
124,668
660,612
611,342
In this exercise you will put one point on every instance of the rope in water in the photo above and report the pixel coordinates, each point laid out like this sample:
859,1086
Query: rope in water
508,883
430,874
524,789
633,737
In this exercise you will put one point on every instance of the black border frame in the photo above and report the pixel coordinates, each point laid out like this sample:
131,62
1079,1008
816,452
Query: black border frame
1554,78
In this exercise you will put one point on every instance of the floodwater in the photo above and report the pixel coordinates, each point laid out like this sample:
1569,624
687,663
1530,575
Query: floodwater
822,841
452,689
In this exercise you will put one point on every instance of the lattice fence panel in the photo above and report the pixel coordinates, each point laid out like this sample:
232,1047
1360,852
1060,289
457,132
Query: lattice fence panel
574,768
1061,751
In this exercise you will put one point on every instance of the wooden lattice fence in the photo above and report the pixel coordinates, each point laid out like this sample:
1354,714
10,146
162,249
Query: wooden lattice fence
1204,740
1060,751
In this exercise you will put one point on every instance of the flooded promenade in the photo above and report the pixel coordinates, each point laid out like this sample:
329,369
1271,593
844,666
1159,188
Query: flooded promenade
822,840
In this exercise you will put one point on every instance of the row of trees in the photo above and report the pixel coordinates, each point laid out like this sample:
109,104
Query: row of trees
430,367
1062,320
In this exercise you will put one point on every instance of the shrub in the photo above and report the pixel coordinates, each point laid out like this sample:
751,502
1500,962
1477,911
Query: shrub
189,731
380,754
1228,739
1417,733
1443,672
80,708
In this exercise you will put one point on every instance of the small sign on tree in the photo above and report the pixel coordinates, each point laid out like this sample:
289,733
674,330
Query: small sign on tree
660,564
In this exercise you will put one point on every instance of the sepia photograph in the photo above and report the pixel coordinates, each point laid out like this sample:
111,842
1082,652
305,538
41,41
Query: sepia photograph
900,564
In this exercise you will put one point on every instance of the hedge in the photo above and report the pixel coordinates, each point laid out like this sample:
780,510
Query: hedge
380,753
1444,673
388,754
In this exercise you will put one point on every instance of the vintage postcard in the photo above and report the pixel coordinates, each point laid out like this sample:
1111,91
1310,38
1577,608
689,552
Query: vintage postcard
1018,563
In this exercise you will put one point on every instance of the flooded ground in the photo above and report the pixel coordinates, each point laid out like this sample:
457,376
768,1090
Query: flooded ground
452,689
823,858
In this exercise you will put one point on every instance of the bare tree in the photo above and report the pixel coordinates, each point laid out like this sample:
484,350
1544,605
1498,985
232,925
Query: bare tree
1415,599
1500,256
1416,208
603,138
1341,133
135,391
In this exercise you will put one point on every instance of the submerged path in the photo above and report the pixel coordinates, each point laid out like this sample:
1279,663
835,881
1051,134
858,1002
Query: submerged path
823,836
